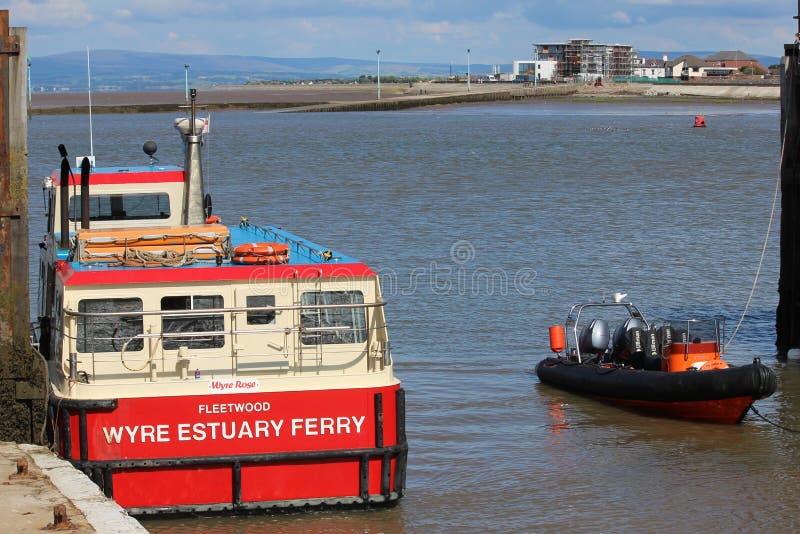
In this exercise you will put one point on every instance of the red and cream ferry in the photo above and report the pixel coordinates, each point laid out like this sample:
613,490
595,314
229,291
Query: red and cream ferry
197,367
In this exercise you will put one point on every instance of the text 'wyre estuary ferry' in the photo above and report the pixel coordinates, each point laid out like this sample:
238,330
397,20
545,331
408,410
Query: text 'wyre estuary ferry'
197,367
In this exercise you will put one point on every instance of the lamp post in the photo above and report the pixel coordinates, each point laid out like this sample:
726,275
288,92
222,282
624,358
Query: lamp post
378,52
30,87
468,70
186,80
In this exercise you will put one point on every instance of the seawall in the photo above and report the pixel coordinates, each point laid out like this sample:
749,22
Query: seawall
744,92
334,97
28,499
424,98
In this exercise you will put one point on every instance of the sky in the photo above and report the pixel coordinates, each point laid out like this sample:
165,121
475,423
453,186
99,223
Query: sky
438,31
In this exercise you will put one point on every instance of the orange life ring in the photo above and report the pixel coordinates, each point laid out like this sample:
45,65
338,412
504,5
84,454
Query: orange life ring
262,249
276,259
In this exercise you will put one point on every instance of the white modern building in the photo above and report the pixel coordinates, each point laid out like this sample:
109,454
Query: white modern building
531,70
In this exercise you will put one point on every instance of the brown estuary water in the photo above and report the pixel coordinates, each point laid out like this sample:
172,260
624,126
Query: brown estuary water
487,223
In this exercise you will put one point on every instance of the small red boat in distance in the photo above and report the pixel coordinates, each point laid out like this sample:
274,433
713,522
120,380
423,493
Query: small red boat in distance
673,370
700,121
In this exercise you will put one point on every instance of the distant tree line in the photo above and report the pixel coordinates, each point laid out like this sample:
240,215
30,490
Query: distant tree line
369,78
751,70
363,79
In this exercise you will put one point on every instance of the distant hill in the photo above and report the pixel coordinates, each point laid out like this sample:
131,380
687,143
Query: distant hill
123,70
120,70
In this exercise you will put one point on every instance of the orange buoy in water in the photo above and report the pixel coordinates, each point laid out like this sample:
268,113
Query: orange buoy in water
700,121
557,338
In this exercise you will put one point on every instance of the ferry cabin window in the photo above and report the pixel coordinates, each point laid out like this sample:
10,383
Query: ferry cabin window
127,207
109,333
194,323
260,316
344,325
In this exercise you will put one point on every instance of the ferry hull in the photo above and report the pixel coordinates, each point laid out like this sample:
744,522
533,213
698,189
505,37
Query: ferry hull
239,451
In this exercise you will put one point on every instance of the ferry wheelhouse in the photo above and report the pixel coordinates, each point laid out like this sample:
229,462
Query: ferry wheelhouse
196,367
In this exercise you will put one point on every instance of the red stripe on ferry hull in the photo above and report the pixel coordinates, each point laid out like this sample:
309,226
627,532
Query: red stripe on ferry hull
179,453
133,177
254,273
726,411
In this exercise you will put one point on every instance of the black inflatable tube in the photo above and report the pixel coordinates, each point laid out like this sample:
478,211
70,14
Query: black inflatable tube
754,380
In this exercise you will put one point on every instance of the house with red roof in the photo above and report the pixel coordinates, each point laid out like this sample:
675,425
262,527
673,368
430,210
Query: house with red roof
735,59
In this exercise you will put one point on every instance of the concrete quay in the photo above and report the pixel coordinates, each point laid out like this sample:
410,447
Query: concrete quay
30,502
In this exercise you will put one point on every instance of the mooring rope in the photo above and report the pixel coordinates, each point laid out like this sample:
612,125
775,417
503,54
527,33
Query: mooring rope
761,260
766,240
135,257
773,423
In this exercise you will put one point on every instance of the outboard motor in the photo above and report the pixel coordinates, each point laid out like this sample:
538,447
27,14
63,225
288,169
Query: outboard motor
594,337
664,335
624,342
651,348
647,356
680,335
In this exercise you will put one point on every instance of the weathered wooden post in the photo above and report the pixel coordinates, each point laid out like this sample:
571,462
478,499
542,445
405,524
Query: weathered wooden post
22,371
787,322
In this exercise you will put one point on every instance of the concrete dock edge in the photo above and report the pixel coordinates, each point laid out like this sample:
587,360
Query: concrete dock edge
103,514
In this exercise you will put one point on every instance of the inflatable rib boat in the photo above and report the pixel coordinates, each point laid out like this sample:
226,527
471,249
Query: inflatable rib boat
673,370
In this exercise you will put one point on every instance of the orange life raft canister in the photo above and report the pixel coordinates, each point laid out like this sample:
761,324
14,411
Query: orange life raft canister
261,254
261,260
261,249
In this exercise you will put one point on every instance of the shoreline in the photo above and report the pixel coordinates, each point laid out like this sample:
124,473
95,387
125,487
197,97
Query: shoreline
30,495
329,98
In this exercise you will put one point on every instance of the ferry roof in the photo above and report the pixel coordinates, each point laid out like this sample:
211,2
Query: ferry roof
142,174
306,260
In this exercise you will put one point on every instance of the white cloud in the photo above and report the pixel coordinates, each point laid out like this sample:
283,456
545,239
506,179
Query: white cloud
503,15
620,17
650,2
434,28
50,13
395,4
307,26
407,30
